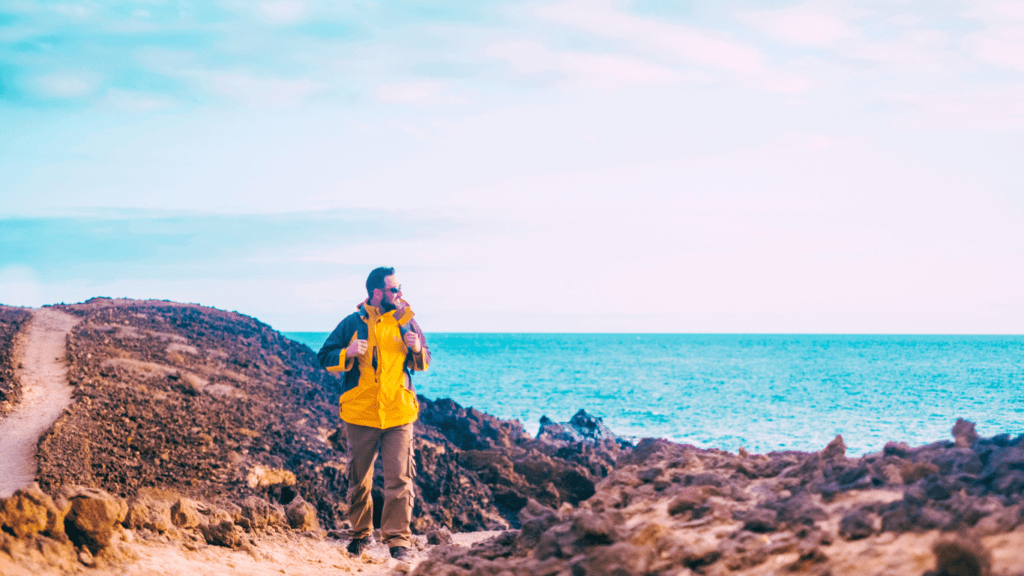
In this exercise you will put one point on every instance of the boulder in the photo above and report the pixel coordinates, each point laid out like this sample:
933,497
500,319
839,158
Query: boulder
256,514
960,556
149,514
582,427
184,514
30,511
225,533
92,517
301,515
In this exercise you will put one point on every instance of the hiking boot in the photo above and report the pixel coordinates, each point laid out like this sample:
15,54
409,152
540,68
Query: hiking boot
401,553
359,545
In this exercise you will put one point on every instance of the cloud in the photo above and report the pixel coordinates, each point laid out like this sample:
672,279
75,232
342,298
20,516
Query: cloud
20,286
257,90
787,83
997,12
673,42
136,100
66,85
534,57
283,11
1004,47
423,92
802,28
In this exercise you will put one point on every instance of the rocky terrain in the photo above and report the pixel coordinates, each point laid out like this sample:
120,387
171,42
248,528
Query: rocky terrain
950,508
202,428
11,321
179,403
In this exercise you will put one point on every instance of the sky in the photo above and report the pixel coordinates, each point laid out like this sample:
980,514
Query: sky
529,166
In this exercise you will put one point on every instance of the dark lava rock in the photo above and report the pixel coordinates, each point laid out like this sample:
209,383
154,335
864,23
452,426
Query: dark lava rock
856,525
582,427
964,433
759,520
961,557
835,449
439,537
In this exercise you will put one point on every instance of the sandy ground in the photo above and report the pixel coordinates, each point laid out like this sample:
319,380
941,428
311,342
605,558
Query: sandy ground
272,555
45,394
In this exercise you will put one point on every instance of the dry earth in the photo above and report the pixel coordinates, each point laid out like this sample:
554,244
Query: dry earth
45,393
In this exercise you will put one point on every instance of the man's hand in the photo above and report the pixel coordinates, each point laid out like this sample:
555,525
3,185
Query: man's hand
412,341
356,348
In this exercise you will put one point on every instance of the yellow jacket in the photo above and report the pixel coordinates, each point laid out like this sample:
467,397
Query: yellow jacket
377,389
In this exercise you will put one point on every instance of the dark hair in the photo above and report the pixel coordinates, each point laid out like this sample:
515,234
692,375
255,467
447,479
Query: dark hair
376,279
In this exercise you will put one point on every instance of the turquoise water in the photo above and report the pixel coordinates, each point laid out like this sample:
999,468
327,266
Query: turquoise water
762,392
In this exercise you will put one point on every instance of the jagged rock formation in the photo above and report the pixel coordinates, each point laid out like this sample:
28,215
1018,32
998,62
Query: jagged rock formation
582,427
676,509
11,321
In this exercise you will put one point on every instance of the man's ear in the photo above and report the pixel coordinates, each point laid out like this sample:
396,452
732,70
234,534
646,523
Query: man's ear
378,296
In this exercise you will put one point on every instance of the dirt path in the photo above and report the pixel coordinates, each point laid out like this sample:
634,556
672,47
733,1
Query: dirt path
45,394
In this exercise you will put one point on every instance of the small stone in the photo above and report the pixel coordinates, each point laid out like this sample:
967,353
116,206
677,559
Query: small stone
689,498
301,515
760,520
184,514
835,449
439,537
856,525
86,558
964,433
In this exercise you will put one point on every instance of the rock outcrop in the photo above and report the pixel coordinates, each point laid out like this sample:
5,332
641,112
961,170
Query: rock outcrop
218,407
675,509
582,427
210,428
11,322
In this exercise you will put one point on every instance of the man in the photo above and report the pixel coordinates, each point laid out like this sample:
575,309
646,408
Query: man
377,348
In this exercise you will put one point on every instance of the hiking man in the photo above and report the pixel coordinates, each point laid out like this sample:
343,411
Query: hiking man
377,347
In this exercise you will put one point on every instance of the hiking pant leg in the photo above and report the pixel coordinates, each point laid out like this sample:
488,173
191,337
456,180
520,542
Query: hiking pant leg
399,491
362,451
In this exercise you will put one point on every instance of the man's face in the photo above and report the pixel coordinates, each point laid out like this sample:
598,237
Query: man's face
392,293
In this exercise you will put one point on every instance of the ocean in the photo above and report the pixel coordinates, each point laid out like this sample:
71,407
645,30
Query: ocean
761,392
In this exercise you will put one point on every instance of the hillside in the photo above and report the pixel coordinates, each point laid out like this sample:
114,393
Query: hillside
216,405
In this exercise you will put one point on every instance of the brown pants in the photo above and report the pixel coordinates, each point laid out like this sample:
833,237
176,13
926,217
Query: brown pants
396,453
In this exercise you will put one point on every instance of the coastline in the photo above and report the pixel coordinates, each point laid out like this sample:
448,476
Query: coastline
207,431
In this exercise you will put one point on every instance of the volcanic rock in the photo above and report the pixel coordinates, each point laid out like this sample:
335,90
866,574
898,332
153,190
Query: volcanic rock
30,511
11,322
582,427
964,433
92,517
